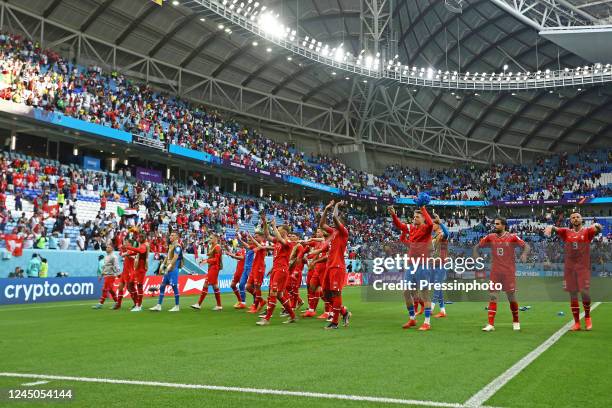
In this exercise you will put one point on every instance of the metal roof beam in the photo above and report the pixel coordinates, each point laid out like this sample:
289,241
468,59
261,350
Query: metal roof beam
262,67
579,122
541,14
93,16
51,8
198,49
149,9
295,74
554,113
178,26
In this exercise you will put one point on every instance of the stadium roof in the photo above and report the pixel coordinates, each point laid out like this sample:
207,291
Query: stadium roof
478,125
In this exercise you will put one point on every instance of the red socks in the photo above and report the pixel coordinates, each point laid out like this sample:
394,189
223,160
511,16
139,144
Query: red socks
338,309
258,299
514,309
576,310
132,289
237,294
492,312
218,297
316,295
310,298
203,295
103,297
586,304
139,294
271,306
286,301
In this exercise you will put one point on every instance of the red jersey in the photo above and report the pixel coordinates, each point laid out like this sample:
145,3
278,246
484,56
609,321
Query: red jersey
259,260
503,257
298,265
324,247
577,245
240,266
337,247
31,178
214,258
18,180
143,256
128,264
417,236
281,255
314,245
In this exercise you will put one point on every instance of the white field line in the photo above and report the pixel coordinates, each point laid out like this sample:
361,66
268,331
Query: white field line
262,391
31,384
490,389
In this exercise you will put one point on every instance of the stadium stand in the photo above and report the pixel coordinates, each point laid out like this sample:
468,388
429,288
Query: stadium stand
43,79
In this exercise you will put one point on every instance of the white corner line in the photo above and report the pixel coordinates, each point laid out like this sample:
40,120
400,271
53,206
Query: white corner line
382,400
490,389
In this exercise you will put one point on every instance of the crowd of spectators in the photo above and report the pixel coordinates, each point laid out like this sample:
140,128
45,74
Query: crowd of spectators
43,79
194,209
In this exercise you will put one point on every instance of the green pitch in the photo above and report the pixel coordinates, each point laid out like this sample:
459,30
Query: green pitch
374,357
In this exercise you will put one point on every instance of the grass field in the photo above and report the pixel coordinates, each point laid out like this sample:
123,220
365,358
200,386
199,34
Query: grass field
372,358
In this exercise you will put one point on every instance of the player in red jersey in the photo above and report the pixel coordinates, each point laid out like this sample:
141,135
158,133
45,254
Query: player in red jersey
314,246
439,247
214,261
296,267
258,271
577,265
126,279
419,240
109,269
335,273
280,270
405,239
318,264
503,268
239,255
141,265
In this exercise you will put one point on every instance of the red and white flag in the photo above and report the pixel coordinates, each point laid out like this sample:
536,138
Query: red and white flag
52,210
14,244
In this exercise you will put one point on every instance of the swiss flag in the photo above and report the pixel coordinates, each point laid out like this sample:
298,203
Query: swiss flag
51,209
14,244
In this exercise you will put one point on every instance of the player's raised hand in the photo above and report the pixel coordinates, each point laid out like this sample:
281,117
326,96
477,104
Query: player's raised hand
548,231
340,203
436,218
391,210
330,205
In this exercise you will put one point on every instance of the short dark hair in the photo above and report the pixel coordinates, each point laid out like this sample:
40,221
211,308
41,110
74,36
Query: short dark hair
503,221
